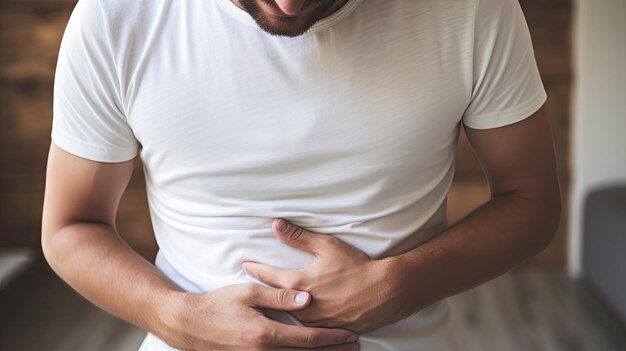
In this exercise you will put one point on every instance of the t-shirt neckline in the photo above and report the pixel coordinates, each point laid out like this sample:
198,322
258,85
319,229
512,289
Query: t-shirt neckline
324,23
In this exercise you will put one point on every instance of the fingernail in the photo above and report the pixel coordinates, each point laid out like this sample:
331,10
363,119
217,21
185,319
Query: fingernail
281,225
352,338
301,298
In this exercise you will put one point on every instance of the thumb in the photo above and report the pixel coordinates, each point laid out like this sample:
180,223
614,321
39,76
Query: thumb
297,237
278,299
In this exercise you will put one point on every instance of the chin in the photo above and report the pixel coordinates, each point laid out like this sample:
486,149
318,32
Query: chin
282,27
286,26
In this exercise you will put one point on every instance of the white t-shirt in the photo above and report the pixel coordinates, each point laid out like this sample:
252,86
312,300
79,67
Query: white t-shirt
348,130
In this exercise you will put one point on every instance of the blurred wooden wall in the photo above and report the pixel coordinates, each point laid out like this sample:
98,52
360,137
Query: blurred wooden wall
31,32
550,24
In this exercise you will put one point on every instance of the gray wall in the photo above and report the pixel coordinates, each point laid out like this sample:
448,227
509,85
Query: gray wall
599,110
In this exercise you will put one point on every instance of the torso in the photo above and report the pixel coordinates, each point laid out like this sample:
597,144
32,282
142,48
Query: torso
349,130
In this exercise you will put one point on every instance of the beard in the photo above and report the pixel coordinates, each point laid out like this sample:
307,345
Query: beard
312,11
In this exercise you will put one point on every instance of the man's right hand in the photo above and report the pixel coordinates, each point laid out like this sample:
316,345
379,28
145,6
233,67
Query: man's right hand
231,318
81,243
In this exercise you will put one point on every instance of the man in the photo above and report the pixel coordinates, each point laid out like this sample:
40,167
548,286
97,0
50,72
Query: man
339,118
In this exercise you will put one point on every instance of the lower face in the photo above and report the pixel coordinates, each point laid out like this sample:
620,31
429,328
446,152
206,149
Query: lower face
271,19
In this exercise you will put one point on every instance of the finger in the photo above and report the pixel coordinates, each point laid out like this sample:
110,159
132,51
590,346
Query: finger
309,337
258,295
300,238
353,346
270,275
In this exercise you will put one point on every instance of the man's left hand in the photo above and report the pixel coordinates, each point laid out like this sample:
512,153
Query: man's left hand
349,289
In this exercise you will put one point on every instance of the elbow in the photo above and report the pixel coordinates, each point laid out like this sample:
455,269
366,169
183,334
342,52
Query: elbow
46,246
50,230
550,214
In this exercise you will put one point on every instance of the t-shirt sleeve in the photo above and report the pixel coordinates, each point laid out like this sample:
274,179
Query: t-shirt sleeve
506,85
88,118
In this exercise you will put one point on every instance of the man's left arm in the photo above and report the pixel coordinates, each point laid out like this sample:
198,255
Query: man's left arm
518,222
353,291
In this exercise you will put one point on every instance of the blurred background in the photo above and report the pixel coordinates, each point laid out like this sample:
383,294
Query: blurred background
571,297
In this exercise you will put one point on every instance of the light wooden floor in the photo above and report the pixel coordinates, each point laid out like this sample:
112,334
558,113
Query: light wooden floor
527,309
537,309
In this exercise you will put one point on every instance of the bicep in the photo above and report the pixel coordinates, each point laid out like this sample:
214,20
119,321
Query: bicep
518,158
81,190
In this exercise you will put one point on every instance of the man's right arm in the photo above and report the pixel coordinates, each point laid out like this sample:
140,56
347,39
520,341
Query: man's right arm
80,241
81,244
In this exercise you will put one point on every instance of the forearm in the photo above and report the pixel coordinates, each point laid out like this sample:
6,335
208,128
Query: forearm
94,261
491,240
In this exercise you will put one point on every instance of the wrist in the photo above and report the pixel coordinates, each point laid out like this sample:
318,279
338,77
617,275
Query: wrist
403,284
170,312
396,266
394,275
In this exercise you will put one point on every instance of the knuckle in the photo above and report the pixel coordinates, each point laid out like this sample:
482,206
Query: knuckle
328,240
311,340
296,282
297,234
283,297
252,338
260,275
250,292
262,338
